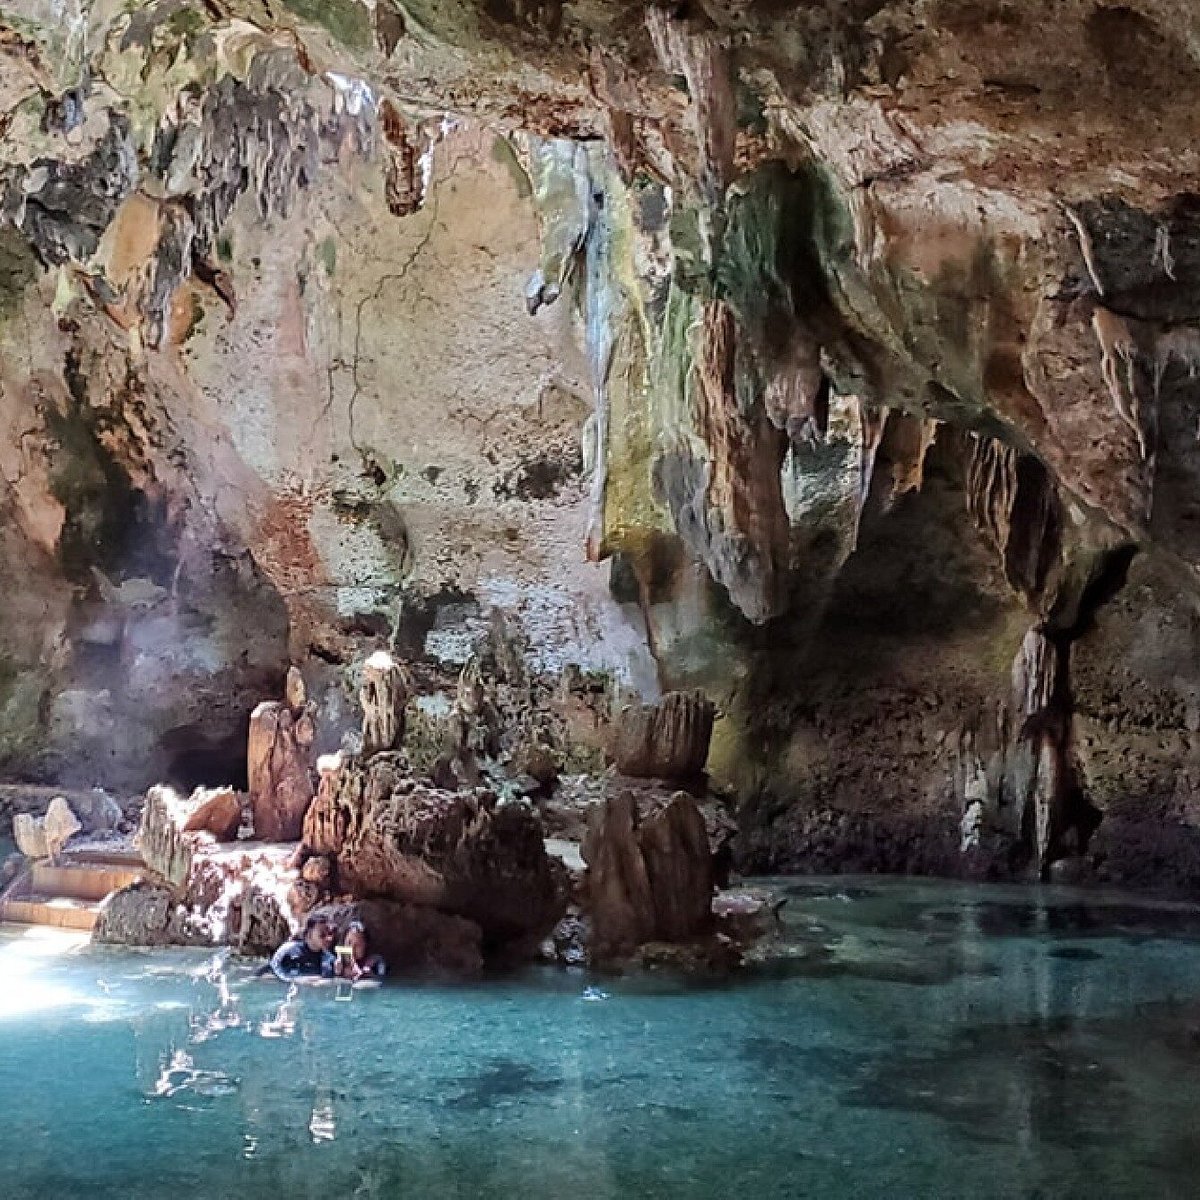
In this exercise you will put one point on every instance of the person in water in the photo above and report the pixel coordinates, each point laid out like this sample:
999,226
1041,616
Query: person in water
359,963
310,955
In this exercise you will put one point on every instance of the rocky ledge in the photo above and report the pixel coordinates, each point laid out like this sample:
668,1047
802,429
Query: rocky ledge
619,870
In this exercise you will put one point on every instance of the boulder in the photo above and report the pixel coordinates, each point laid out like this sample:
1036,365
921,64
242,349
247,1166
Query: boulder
139,914
667,740
97,811
44,837
462,852
279,765
217,811
165,844
413,938
650,874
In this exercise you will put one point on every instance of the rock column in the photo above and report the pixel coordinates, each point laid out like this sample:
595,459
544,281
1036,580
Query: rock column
279,763
383,695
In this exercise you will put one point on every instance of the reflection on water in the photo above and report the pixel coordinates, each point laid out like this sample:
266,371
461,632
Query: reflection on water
908,1039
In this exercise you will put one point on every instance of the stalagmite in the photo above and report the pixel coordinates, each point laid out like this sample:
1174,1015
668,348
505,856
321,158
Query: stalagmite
383,695
649,876
279,765
667,740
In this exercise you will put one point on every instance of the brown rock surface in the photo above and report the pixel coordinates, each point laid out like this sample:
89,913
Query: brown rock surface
464,853
173,828
666,740
217,811
413,939
279,765
649,875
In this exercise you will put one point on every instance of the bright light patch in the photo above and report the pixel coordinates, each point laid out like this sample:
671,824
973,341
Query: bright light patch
350,95
26,962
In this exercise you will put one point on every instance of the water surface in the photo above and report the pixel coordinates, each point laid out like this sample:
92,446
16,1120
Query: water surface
919,1040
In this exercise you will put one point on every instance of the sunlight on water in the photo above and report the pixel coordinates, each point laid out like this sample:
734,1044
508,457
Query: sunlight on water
24,987
914,1040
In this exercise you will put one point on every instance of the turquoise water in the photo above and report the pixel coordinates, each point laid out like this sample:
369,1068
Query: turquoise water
922,1040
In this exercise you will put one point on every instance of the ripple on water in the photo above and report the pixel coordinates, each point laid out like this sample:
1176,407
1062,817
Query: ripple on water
922,1040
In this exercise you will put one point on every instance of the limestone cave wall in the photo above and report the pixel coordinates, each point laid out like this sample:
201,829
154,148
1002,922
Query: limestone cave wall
837,358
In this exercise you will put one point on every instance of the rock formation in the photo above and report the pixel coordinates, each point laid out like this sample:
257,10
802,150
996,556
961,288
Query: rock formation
649,875
667,740
45,837
279,763
462,852
887,354
172,827
383,696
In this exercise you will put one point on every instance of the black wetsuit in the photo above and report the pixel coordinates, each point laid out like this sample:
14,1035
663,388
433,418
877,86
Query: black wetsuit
296,958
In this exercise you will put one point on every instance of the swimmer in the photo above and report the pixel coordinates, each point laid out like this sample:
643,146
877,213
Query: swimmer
308,956
355,960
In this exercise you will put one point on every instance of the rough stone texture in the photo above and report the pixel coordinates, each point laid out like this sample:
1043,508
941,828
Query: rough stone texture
231,896
261,920
45,837
649,875
279,764
166,845
667,740
887,353
464,853
139,914
216,811
383,696
414,939
29,833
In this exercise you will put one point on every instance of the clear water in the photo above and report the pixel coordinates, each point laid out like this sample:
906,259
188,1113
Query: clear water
924,1040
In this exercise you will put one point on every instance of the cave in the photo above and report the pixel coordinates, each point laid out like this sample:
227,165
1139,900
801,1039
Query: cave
673,528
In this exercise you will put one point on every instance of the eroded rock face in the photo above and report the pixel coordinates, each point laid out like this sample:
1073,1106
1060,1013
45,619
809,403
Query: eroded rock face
667,740
137,915
649,874
888,354
279,764
464,853
172,829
